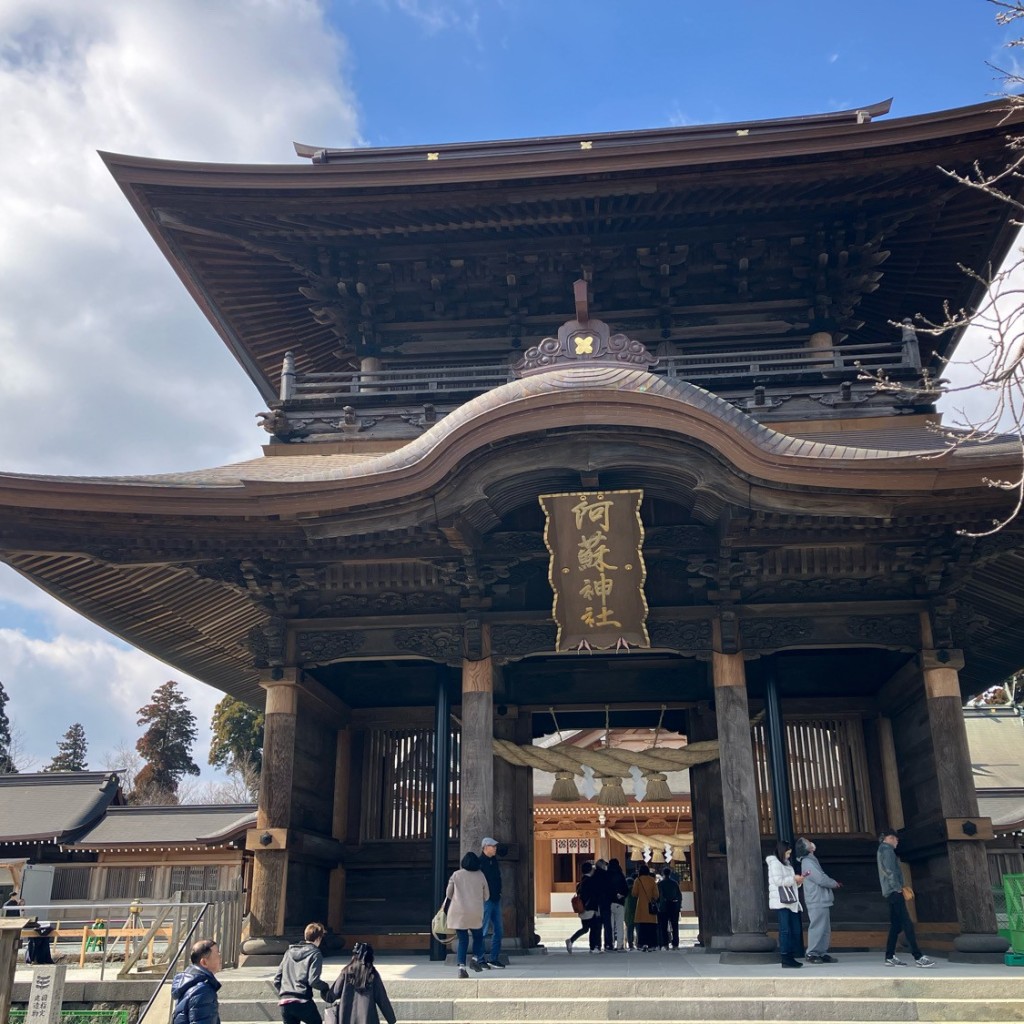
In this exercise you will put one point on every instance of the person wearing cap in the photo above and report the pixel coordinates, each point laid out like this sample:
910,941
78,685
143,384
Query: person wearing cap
492,905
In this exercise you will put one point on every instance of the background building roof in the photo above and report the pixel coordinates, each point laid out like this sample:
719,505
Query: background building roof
177,825
996,740
53,806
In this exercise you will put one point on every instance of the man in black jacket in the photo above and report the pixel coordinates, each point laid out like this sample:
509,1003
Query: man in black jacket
492,905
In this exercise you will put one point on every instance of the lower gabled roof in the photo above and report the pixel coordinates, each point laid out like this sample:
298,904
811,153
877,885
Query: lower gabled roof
180,825
53,806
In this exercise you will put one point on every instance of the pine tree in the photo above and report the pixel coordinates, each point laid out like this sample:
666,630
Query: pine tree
6,758
166,746
237,742
71,750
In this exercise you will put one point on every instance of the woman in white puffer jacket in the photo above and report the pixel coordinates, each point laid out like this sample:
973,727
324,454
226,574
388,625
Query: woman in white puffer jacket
782,877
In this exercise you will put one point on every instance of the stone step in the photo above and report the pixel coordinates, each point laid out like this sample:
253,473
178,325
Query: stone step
782,1008
805,984
538,1000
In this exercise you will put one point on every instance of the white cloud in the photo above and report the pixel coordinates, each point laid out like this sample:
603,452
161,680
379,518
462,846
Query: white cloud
93,680
108,367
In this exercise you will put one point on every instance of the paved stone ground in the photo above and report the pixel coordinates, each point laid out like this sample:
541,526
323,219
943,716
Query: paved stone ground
669,964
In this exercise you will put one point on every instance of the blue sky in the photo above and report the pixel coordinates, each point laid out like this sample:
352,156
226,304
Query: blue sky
107,366
424,73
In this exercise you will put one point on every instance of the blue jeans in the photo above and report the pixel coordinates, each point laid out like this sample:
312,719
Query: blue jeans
462,944
492,916
791,934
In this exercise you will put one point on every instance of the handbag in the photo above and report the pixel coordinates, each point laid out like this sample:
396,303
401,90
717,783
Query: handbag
652,907
787,894
439,926
577,904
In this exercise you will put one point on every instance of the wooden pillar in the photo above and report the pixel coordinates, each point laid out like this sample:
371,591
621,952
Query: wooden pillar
710,866
339,828
513,828
968,863
476,776
269,841
739,808
543,874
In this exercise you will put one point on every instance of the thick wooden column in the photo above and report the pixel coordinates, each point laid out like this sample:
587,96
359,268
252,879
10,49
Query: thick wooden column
739,808
965,847
513,828
476,777
269,841
710,866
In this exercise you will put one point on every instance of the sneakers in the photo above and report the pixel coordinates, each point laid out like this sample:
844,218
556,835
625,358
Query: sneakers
789,961
463,973
895,961
496,964
568,946
476,964
824,958
924,961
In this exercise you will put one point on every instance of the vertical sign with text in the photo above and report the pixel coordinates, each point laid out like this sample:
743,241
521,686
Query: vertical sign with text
597,569
47,994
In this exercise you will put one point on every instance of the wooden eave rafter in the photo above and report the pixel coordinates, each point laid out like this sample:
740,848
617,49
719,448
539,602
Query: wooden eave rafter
233,255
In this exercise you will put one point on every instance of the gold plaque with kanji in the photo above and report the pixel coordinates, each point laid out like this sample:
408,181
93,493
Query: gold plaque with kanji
597,569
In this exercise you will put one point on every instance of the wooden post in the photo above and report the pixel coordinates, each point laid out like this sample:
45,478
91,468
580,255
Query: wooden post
269,841
968,859
339,827
442,788
739,809
513,827
10,940
476,778
710,866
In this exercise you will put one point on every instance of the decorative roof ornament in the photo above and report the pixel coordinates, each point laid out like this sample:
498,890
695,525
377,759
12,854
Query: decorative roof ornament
584,341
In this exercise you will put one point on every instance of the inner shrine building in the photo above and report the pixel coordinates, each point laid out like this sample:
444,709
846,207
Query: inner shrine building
447,338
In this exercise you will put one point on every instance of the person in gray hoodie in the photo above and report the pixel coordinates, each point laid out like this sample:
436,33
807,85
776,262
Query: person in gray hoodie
819,895
298,978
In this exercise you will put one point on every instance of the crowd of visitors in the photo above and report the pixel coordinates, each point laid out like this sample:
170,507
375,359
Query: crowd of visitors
620,913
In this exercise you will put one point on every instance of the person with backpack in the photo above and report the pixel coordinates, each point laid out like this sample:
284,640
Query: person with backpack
358,992
670,902
588,896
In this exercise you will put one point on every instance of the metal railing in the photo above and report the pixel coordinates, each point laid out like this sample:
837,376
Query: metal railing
140,933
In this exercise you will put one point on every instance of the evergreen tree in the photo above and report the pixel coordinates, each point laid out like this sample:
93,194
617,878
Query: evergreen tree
6,757
237,736
166,746
71,750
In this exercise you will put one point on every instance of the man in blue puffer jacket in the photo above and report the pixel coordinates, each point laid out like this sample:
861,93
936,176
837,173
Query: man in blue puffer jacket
194,990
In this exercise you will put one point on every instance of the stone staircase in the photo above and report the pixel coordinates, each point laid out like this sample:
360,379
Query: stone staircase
793,999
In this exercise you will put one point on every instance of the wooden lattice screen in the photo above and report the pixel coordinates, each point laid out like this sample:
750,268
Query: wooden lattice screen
828,777
398,785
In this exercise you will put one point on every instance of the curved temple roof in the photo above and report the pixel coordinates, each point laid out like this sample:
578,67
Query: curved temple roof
124,551
736,234
722,234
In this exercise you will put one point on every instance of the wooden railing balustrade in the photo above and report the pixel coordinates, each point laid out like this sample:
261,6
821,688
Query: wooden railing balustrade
703,368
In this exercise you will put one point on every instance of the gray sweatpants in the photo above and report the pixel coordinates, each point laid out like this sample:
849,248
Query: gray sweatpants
819,931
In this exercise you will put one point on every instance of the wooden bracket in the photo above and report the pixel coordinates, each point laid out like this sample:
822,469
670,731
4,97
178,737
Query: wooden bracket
258,839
